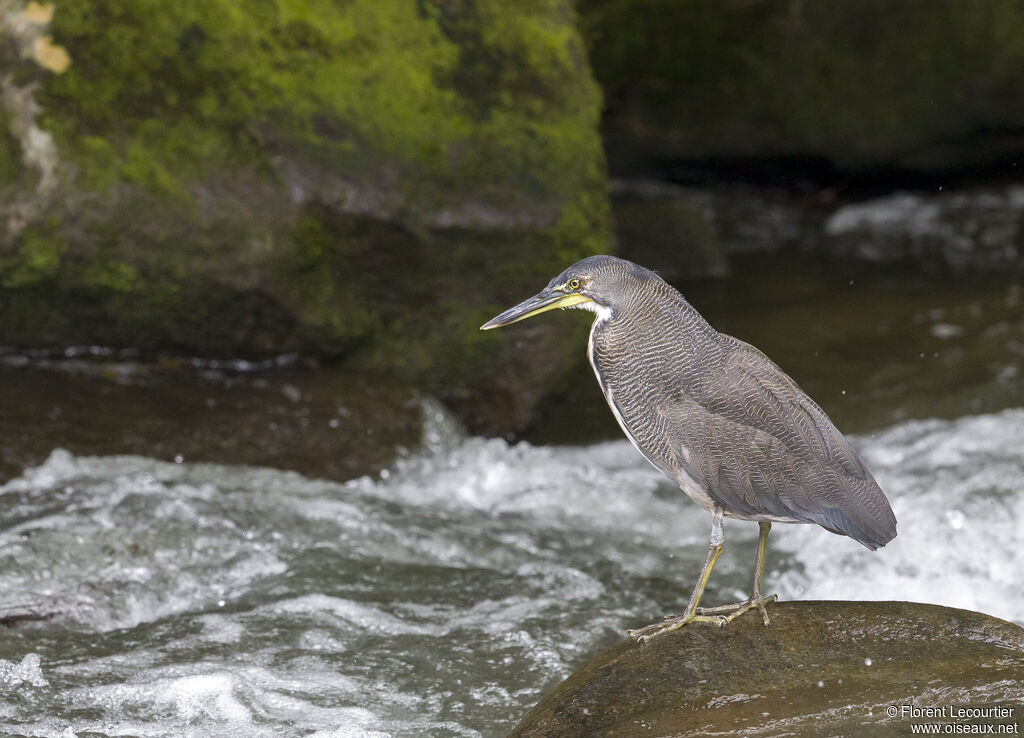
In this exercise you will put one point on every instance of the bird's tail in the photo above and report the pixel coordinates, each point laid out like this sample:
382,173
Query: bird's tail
871,522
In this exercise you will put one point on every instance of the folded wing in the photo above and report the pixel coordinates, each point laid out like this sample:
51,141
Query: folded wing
764,450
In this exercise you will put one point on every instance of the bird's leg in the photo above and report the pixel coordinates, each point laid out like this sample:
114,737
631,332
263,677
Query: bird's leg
755,599
762,545
716,543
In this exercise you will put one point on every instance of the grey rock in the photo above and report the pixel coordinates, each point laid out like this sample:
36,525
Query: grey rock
978,229
684,232
819,669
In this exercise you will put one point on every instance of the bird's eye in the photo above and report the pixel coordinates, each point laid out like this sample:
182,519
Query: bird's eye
574,284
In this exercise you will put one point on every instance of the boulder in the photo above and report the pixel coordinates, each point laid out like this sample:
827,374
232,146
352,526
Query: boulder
816,88
364,181
979,229
685,232
819,669
688,232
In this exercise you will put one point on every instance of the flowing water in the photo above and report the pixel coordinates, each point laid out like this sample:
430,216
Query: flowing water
441,597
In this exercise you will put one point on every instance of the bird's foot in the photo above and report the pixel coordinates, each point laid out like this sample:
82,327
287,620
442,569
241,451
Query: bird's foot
674,622
733,611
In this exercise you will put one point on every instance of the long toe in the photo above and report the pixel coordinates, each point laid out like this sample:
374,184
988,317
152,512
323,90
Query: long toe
733,611
762,606
759,603
722,608
642,635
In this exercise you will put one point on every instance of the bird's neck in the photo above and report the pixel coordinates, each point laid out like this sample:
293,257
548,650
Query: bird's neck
662,315
601,312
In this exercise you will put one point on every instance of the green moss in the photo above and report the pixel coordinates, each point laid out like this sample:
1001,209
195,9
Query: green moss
268,175
582,228
316,282
106,165
465,94
37,260
186,87
860,82
114,276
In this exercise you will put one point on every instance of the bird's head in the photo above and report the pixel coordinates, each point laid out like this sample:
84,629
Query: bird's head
598,283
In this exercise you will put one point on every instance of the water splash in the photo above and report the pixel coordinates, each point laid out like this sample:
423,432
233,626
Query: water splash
957,492
441,598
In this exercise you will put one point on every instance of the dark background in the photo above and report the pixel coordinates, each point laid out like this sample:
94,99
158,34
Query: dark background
220,213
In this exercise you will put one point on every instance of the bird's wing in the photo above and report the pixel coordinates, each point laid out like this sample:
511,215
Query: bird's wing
761,446
761,395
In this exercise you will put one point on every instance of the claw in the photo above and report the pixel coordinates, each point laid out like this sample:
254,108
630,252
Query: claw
723,614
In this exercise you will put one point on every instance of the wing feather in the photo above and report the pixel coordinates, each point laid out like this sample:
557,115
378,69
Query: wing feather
766,450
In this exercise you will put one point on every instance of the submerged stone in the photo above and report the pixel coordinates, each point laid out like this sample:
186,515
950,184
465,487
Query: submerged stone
820,668
969,229
324,423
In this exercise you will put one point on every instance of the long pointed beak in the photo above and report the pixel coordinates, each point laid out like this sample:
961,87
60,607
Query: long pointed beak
540,303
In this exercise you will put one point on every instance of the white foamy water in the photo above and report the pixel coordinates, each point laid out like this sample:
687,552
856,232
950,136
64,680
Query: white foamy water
958,493
442,598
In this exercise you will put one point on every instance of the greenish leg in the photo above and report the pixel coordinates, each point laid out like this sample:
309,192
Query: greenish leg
762,545
692,614
756,600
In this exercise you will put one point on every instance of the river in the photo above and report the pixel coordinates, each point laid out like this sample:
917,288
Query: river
442,596
152,594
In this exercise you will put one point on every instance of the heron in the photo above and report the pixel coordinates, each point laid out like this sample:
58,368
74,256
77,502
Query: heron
717,417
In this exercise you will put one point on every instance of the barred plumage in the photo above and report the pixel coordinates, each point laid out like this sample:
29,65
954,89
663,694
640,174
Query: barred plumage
715,415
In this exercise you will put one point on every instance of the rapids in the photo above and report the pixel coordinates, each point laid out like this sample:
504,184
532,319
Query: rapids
443,596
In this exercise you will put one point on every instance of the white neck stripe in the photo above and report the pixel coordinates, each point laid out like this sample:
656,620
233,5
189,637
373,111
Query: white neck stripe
603,313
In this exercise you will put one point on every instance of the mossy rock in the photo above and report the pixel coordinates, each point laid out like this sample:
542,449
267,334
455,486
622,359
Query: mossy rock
819,669
857,85
352,180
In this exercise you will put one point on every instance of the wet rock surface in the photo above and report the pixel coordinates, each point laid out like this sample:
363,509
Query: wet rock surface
977,229
819,669
321,423
687,232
